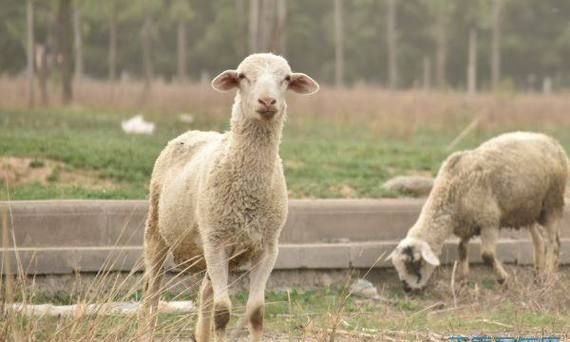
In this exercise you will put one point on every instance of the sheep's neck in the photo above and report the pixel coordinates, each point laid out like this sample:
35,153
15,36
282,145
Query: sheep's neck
254,147
434,225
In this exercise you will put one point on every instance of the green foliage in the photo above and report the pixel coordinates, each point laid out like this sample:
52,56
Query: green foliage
407,305
488,283
180,10
535,37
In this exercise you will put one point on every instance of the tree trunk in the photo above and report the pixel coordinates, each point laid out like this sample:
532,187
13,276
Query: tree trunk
472,63
240,10
112,59
65,48
78,43
441,49
338,42
181,49
30,51
392,40
496,44
280,34
267,21
426,73
43,72
253,26
45,57
146,54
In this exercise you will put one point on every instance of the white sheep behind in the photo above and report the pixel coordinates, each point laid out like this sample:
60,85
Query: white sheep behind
514,180
219,201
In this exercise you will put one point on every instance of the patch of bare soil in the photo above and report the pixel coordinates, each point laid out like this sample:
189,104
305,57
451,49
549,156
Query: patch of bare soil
19,171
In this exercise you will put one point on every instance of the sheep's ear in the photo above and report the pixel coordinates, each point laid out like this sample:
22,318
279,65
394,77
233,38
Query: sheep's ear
429,256
225,81
303,84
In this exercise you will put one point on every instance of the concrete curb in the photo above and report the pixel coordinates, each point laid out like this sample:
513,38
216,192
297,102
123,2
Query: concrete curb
58,237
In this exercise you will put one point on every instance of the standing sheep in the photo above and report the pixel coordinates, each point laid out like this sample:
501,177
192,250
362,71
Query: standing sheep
219,201
514,180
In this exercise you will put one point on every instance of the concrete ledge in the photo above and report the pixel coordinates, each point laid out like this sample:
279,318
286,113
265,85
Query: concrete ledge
291,256
58,237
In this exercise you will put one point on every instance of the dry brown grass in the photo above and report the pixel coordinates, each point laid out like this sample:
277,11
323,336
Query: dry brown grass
383,110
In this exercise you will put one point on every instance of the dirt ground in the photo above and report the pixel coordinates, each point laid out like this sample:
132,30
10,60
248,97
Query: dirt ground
17,171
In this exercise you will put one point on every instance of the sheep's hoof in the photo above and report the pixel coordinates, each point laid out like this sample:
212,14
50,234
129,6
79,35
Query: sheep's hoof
462,277
539,277
463,281
504,282
544,278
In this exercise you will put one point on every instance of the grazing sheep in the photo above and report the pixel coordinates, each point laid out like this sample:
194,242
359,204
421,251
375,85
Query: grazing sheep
219,201
513,180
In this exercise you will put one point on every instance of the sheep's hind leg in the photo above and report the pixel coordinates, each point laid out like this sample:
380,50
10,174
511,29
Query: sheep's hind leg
204,325
217,267
155,252
552,242
463,252
261,269
538,248
489,237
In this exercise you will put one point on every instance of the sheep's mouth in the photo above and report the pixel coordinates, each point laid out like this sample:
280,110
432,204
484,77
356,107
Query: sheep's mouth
411,289
267,113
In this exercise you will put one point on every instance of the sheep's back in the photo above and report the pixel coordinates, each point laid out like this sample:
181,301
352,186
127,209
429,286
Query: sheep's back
513,179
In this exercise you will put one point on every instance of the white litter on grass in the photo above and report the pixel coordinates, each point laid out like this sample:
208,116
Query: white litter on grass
105,309
186,118
137,125
364,288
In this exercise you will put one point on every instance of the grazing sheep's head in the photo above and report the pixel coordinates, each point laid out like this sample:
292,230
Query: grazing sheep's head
415,262
262,80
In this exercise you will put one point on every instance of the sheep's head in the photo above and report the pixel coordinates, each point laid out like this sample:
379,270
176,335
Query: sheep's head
415,262
262,81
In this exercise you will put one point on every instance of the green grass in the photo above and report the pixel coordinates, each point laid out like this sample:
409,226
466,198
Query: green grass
323,159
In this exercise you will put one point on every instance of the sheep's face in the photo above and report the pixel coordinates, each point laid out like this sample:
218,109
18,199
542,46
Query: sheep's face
262,81
415,262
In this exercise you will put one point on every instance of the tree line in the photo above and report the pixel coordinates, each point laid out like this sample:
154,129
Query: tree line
400,44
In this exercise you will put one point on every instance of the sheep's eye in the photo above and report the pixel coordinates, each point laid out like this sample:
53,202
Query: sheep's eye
288,78
241,76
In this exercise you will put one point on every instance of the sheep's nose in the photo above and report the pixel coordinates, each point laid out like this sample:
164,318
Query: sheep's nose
267,101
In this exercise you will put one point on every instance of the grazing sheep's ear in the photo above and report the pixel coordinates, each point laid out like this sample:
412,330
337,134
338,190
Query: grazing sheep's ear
429,256
303,84
225,81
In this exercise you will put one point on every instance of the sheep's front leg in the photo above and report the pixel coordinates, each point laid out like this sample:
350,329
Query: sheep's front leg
552,250
204,325
538,247
489,237
463,252
261,269
217,267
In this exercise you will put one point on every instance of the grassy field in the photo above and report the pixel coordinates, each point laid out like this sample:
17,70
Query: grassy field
328,150
339,143
480,307
322,159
